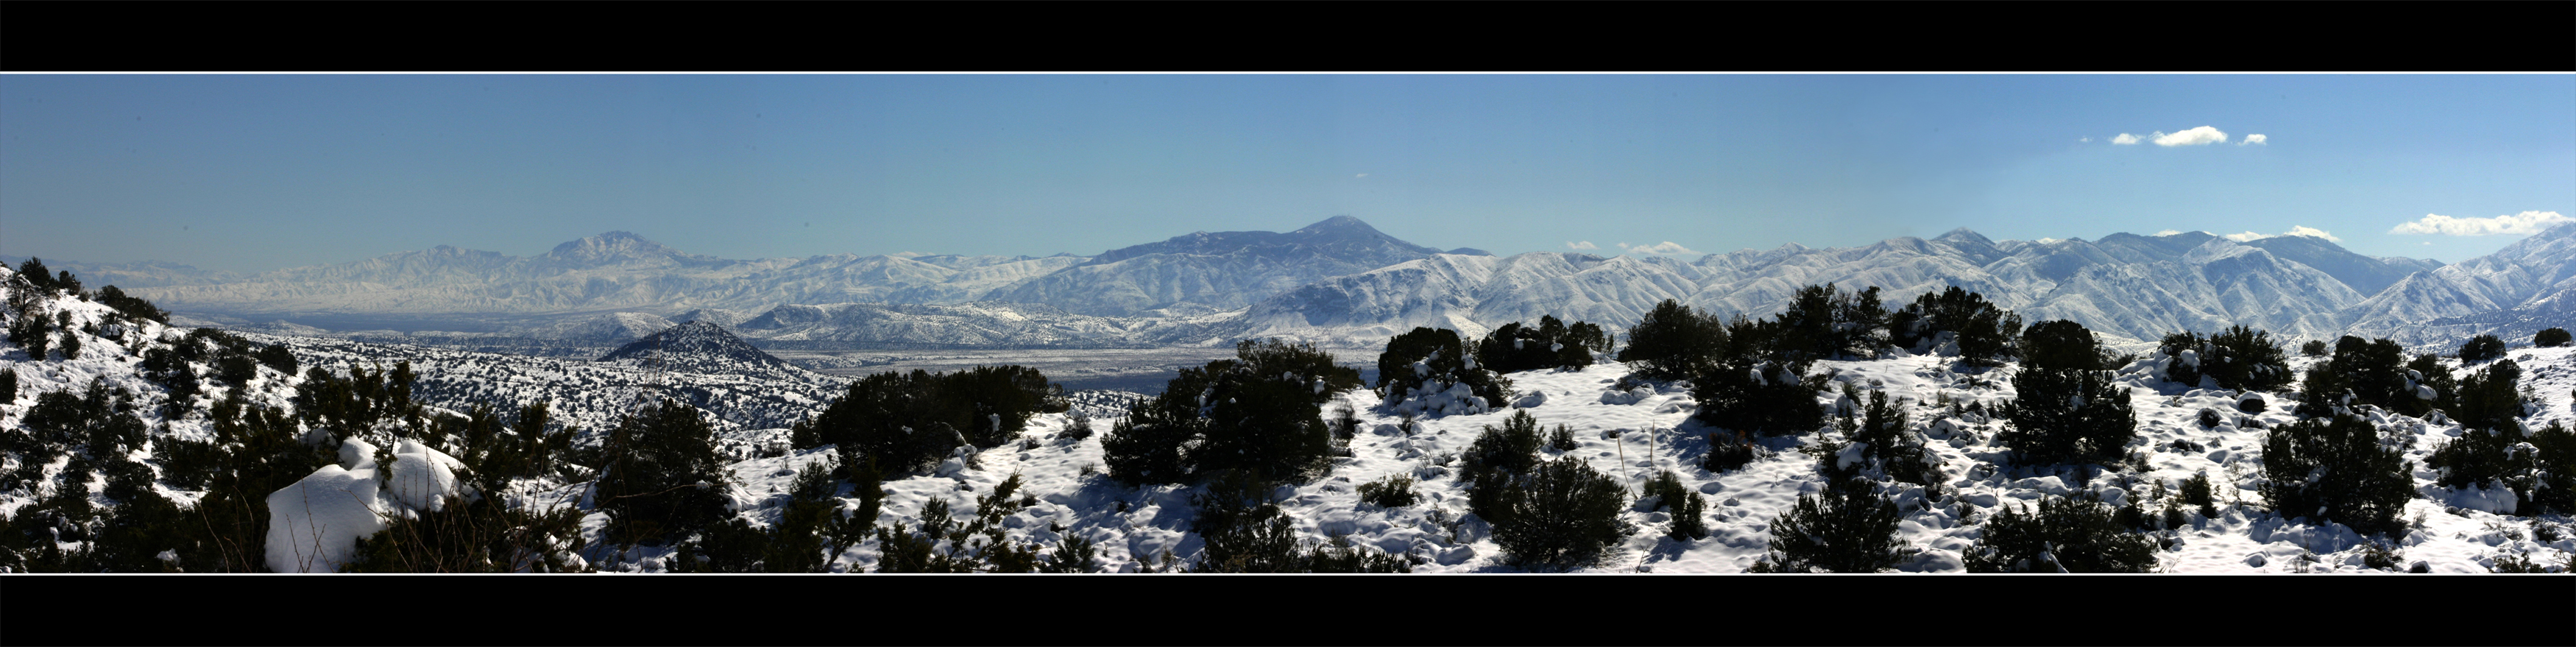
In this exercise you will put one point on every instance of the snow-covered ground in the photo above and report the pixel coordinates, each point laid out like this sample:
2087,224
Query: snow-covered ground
1632,435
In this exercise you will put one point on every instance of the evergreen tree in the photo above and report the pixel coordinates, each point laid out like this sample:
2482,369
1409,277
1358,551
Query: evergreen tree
2241,359
1433,360
1766,398
1847,528
37,276
1562,516
1260,413
2551,338
663,478
8,385
2065,536
2337,470
134,306
1672,342
1498,461
2067,416
2372,372
1984,334
1552,344
2061,345
1687,506
2554,470
1824,322
910,421
2481,348
2314,348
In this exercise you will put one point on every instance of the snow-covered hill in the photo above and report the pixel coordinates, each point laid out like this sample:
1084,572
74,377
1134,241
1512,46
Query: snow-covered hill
1629,434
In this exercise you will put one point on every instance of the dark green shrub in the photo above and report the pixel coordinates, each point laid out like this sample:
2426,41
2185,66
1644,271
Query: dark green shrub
1339,555
2491,398
2240,359
1243,531
663,478
2381,555
2372,372
1394,491
1562,516
1983,333
8,385
1495,461
2067,416
1432,360
2337,471
1073,554
1672,342
1687,506
1513,348
2551,338
2065,535
480,535
2554,461
1824,322
2314,348
2061,345
33,333
1847,528
275,356
1561,439
1729,452
2481,348
1764,398
135,307
908,422
1260,413
2198,491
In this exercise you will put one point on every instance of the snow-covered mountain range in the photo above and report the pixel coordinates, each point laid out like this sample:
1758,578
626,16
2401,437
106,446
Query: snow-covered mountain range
1342,282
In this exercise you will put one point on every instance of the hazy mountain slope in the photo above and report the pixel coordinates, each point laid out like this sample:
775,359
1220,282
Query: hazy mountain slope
1204,271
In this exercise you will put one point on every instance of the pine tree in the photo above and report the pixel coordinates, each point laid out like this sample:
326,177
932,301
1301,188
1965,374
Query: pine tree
1846,529
2337,471
1687,506
2481,348
664,478
2551,338
1672,342
2066,416
1562,516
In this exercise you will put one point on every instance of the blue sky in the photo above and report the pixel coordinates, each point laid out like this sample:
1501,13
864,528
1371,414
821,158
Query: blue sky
260,172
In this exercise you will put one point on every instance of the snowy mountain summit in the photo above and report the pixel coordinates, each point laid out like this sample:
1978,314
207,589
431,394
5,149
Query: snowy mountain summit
702,347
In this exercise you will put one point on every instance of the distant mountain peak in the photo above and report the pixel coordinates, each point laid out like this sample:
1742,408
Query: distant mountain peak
617,246
1964,235
1338,225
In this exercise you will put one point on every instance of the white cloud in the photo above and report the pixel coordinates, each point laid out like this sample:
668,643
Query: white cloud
2295,230
1362,175
2083,139
2311,232
2193,137
2125,139
2528,222
1580,244
2256,138
2168,232
1666,247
